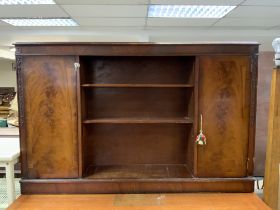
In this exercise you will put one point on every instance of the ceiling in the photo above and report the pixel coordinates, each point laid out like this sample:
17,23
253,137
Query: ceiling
126,20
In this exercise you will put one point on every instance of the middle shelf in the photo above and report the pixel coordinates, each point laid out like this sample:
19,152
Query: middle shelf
90,85
137,104
182,120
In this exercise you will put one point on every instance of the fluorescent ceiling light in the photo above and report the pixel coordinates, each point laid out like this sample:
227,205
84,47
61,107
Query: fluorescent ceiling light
189,11
15,2
41,22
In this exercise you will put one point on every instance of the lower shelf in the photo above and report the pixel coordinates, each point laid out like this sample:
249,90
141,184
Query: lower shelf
138,171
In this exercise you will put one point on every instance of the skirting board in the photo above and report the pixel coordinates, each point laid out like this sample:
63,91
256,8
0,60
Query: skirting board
89,186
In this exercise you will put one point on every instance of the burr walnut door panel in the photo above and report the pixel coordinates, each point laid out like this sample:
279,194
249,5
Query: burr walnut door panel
50,98
224,97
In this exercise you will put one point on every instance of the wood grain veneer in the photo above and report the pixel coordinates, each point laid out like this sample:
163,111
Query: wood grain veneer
224,103
50,117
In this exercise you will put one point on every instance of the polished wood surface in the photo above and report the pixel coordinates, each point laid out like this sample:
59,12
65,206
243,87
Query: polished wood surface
50,117
224,104
271,181
199,201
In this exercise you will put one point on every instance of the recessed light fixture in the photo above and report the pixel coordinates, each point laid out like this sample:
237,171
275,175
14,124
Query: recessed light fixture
41,21
189,11
15,2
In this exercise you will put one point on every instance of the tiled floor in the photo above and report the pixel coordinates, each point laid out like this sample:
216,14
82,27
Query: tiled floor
3,196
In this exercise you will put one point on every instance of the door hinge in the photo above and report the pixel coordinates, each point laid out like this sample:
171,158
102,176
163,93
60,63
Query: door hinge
76,66
247,165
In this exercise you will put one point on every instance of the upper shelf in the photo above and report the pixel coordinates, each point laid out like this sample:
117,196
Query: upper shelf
182,120
137,85
137,70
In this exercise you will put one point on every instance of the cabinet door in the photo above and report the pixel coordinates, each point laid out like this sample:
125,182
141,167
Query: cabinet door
224,102
49,147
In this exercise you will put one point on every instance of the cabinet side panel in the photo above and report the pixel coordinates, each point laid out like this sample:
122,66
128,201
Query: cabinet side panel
224,102
50,116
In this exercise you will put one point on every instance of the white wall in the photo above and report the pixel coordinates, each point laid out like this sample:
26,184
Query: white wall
7,76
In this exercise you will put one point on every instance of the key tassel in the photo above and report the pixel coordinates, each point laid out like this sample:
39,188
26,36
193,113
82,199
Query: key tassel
201,138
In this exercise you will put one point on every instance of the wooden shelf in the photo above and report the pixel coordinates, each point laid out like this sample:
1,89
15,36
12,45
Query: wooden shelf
140,171
139,85
183,120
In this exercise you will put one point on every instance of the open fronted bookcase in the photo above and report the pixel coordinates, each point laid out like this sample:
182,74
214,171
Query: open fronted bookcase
123,117
133,107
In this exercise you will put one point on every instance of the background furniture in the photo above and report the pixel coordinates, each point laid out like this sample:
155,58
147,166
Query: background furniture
271,178
7,94
265,65
9,132
9,154
123,117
